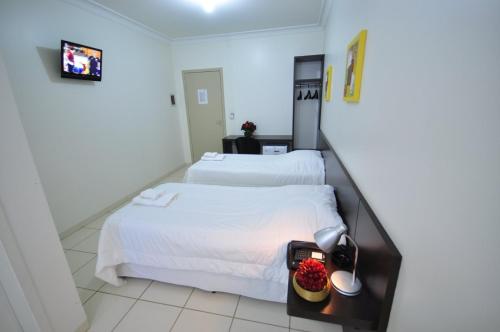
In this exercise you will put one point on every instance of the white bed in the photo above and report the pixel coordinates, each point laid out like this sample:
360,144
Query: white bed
228,239
297,167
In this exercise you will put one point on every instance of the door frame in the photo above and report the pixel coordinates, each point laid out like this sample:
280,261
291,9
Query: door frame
10,283
221,73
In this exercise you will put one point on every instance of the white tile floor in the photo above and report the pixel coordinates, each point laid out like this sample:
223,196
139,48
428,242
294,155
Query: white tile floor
145,305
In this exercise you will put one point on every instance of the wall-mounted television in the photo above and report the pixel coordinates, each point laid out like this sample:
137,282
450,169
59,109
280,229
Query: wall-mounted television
80,61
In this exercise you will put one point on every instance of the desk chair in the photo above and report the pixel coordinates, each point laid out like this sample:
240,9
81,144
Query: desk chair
247,145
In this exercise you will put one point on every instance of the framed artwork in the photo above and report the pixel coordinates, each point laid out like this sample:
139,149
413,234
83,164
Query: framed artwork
328,83
354,67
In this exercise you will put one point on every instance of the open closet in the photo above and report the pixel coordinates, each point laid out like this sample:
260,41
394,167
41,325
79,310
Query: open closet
307,97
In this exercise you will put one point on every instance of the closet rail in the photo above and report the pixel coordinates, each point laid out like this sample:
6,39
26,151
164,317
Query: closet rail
308,85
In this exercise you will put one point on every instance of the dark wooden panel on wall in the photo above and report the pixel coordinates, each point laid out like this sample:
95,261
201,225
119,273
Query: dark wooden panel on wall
347,199
379,259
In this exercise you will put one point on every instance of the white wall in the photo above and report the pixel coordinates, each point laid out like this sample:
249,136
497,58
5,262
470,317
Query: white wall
93,142
33,269
8,319
423,145
258,75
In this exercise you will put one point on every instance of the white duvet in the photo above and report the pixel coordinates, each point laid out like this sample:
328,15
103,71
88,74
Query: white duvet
297,167
241,232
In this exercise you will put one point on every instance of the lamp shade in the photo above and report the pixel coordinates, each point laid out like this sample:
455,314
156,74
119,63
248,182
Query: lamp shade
327,238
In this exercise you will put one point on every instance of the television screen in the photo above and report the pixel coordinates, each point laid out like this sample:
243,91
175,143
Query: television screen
80,61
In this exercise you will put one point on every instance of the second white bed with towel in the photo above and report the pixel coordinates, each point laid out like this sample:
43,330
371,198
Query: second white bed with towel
228,239
297,167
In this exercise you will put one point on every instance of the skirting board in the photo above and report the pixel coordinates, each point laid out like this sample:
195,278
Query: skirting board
115,205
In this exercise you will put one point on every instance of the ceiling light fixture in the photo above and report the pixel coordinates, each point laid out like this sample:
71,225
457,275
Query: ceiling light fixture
209,5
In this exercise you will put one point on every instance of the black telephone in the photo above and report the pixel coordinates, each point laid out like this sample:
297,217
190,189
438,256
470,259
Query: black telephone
299,250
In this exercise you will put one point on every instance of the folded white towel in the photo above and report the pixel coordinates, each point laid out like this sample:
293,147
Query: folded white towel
152,194
162,201
210,154
217,158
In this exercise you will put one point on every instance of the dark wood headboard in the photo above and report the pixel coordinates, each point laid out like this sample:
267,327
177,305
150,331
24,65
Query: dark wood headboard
379,259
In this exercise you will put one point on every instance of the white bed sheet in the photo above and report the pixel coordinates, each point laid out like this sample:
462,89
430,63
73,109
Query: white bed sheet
211,282
297,167
229,231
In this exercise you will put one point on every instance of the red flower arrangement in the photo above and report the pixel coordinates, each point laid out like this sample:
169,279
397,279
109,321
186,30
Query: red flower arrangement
311,275
248,127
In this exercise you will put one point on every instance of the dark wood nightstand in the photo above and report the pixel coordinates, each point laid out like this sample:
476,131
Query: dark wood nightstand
359,312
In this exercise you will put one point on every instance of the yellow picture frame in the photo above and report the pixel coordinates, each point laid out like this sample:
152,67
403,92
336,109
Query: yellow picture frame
328,83
354,67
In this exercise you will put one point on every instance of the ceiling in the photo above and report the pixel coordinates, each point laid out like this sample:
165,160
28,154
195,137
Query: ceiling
187,18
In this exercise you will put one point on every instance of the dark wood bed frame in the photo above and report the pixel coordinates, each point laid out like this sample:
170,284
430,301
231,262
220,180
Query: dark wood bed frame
379,259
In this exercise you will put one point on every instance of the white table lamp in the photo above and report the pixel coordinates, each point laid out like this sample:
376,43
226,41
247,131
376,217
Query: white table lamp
344,282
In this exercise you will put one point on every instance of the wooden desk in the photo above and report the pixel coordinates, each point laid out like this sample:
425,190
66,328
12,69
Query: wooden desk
229,146
358,312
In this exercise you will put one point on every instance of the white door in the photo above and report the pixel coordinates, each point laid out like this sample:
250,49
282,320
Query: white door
205,110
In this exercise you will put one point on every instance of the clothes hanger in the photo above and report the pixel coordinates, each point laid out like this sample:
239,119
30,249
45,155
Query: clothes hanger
316,95
300,95
308,95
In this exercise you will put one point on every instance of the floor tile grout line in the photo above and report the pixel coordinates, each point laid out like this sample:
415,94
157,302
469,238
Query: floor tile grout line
120,295
73,273
176,319
213,313
156,302
104,285
85,252
234,313
125,315
182,309
189,297
90,289
85,226
78,241
93,293
97,231
67,236
81,267
179,307
256,321
299,330
159,303
208,313
186,308
132,306
145,289
237,304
